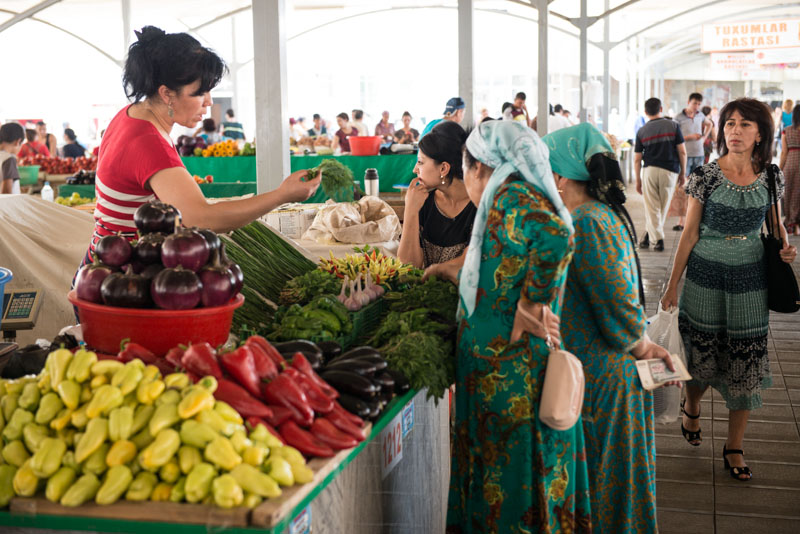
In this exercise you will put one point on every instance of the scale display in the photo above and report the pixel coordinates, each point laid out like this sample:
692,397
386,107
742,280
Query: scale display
20,309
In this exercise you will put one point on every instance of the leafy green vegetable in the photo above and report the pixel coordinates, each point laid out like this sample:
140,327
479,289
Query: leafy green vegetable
337,180
398,324
302,289
437,296
426,360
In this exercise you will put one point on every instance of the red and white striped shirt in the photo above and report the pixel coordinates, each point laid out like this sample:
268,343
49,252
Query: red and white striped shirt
132,151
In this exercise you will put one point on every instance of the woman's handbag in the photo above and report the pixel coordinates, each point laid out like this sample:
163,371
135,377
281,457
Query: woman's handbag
783,294
562,392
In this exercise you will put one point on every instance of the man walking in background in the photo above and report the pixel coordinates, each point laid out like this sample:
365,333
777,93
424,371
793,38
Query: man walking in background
659,143
694,127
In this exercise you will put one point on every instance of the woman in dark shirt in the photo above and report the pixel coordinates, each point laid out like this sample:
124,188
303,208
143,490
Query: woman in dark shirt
345,130
72,149
438,213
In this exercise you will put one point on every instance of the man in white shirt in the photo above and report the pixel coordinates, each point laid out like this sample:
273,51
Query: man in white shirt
357,123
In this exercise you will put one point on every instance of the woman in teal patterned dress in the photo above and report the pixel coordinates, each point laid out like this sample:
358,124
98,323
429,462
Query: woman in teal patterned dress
603,323
724,317
510,474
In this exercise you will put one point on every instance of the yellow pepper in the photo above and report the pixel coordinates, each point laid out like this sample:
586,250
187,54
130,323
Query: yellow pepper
120,423
176,380
96,433
33,435
15,453
57,363
96,462
98,380
178,493
121,452
166,444
19,419
251,500
142,486
58,484
148,392
165,416
198,482
255,454
142,439
9,403
86,394
141,417
197,400
45,383
254,481
228,413
117,481
47,459
49,407
105,399
80,368
29,399
171,396
61,419
222,454
280,470
214,420
127,378
170,471
150,373
227,492
107,367
25,481
78,417
82,490
70,393
188,457
161,492
260,433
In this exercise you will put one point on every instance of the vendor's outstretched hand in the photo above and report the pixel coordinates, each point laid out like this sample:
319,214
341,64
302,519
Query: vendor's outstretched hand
297,187
445,271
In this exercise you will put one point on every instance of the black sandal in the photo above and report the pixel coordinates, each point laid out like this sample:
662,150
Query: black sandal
736,472
691,436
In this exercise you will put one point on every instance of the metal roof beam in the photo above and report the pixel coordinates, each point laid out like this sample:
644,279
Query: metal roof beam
31,11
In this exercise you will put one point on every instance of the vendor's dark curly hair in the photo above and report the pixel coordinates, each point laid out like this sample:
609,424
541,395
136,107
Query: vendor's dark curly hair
606,185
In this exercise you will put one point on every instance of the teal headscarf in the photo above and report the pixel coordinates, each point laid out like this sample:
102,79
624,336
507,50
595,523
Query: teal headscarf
508,147
571,148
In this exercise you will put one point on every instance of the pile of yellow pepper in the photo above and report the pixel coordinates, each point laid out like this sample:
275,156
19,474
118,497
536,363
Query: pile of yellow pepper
88,429
223,149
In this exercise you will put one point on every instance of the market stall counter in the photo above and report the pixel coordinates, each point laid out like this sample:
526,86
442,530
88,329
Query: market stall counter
394,481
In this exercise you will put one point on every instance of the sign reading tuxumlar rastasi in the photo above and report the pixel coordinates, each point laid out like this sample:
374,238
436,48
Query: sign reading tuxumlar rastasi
751,35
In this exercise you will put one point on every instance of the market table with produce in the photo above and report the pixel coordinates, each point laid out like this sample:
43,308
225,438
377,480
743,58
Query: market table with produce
324,395
213,190
392,168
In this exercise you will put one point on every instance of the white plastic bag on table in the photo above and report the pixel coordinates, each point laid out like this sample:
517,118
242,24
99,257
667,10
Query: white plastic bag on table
663,330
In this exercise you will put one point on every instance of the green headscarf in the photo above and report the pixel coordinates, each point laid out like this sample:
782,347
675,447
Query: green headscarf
571,148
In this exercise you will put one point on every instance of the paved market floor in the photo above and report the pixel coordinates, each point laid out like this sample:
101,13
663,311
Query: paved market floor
695,493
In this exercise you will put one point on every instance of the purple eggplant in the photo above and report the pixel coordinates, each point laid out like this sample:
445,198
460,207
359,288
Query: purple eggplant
148,248
218,283
186,248
89,280
114,250
126,290
176,289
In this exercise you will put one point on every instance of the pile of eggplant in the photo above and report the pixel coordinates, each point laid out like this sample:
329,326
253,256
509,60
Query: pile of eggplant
168,267
362,378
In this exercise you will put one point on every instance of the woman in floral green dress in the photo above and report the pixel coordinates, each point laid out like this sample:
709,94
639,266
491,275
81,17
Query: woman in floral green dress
603,324
510,474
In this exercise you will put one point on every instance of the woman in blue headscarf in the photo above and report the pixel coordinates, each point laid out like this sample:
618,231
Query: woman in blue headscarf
509,472
603,323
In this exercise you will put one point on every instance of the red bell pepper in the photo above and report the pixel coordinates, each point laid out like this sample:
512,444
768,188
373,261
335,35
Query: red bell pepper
240,365
174,356
270,351
280,414
318,401
353,418
284,391
240,400
327,433
255,421
265,367
345,425
164,366
304,441
201,359
300,363
130,351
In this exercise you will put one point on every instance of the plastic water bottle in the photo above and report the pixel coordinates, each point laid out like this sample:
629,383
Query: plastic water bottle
47,192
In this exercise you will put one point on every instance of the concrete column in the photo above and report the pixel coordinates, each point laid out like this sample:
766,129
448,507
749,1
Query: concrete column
584,53
272,120
543,112
234,67
606,66
126,25
466,76
640,67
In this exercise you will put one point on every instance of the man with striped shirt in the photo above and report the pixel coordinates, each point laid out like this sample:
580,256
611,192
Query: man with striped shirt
659,143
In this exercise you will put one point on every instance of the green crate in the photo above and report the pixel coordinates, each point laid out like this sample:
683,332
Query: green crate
28,175
365,321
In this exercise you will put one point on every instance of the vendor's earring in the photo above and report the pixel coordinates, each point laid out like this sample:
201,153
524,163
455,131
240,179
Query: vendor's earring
442,177
170,111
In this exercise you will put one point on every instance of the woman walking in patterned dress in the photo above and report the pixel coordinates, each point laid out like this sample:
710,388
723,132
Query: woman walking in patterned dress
723,309
790,165
510,474
603,323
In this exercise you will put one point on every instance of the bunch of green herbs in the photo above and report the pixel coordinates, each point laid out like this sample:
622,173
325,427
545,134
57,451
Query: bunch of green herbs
337,180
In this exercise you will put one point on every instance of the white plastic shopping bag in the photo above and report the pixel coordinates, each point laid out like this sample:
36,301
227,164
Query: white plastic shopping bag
663,330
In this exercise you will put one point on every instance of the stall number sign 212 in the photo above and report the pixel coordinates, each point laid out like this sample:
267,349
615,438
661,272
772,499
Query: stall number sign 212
392,444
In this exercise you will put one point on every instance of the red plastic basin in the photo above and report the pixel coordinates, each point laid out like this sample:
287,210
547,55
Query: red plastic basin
365,145
158,330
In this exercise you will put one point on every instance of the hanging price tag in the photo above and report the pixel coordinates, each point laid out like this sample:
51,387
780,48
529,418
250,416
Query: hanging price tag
392,445
302,523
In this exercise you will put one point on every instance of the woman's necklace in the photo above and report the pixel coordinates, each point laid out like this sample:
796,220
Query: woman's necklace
158,120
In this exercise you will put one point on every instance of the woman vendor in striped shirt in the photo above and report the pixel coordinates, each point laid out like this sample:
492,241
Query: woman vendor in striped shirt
169,78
